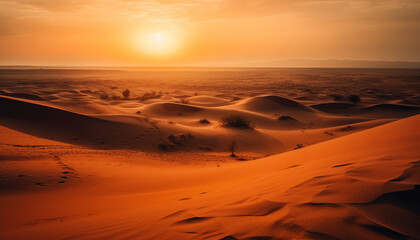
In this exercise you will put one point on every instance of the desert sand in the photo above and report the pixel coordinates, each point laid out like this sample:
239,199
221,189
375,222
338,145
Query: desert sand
78,161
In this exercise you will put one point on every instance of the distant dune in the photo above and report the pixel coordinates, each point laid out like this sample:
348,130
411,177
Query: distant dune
286,63
335,63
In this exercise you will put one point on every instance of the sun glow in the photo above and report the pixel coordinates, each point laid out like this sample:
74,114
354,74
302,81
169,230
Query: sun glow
159,43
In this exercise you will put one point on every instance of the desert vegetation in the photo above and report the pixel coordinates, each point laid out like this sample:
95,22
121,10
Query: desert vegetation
126,94
286,117
354,98
204,121
151,95
184,101
236,120
232,148
106,96
337,97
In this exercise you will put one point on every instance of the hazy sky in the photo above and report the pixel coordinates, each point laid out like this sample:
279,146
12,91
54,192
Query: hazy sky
205,32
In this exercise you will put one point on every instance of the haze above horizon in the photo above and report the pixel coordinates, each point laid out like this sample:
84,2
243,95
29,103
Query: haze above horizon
233,33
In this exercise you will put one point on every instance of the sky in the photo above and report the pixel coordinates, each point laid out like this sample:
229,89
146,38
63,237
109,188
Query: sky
205,32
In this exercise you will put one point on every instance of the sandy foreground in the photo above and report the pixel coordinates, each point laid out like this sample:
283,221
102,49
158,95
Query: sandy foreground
77,165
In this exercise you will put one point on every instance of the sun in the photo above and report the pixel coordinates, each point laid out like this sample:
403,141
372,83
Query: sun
159,43
159,38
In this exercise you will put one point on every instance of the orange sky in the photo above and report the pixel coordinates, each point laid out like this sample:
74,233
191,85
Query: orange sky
205,32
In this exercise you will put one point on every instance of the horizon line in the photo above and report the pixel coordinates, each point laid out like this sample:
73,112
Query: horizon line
267,64
92,67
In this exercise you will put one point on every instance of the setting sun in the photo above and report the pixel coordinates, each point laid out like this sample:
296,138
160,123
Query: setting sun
158,43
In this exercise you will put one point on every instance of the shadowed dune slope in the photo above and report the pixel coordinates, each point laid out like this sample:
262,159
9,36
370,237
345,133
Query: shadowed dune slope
392,110
336,107
25,96
49,122
376,111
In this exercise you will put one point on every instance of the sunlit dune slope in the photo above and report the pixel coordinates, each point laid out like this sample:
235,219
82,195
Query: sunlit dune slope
360,186
273,104
206,100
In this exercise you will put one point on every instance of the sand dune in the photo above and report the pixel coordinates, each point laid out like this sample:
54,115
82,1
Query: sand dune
24,96
376,110
49,122
206,100
78,160
319,192
273,104
124,124
171,108
337,108
392,110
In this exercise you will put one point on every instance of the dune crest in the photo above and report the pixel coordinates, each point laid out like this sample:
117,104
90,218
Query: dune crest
275,104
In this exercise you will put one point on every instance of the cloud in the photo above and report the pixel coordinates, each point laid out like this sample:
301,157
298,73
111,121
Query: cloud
53,5
202,10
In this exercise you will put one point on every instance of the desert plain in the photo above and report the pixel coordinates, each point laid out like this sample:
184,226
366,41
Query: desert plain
319,154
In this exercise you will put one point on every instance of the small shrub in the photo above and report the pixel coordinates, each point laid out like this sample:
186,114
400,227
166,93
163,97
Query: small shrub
328,133
347,128
298,146
115,97
126,94
232,148
178,139
236,120
151,95
205,148
166,146
285,117
354,98
338,98
104,96
204,121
